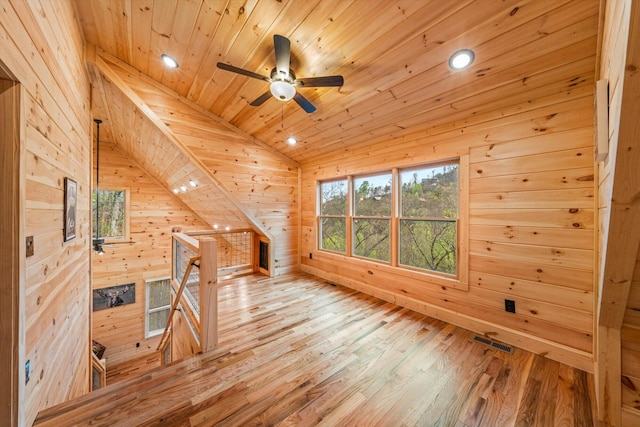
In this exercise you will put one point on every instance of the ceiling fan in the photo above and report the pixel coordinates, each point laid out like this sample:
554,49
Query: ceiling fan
283,80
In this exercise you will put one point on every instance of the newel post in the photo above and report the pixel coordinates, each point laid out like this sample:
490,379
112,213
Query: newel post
208,294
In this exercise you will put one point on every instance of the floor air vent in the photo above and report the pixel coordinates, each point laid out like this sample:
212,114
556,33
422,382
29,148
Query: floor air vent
493,344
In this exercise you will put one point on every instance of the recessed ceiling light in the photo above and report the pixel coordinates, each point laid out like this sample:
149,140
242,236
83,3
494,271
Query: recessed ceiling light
215,226
292,141
227,228
461,59
169,61
175,190
183,187
193,183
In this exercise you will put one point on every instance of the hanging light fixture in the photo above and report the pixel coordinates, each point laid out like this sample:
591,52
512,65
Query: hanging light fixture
282,90
97,241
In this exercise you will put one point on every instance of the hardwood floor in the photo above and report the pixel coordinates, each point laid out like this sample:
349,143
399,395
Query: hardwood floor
296,350
132,368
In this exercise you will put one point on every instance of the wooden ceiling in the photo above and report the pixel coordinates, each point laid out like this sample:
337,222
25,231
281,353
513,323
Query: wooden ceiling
393,55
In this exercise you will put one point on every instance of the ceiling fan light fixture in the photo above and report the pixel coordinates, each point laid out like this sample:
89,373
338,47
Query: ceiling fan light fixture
282,91
461,59
169,61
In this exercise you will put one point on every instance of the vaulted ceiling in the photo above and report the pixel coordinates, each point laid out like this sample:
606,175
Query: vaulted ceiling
393,55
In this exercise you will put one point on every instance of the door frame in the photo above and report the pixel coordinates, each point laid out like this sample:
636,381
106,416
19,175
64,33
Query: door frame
12,246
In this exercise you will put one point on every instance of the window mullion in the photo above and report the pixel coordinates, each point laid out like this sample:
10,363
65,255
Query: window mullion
395,200
349,219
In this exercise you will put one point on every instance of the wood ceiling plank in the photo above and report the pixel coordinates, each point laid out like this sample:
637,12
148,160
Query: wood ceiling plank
141,18
163,13
210,15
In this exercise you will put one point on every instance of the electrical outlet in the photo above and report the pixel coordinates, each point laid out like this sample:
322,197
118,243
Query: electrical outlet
510,306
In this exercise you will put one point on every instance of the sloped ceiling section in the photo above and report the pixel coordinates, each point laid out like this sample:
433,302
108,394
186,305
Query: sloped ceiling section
393,55
241,182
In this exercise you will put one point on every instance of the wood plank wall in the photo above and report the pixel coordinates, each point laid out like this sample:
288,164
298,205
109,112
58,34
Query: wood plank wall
263,181
532,218
626,348
153,212
41,45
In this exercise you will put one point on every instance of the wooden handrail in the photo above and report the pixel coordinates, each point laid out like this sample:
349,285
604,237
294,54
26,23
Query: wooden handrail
183,284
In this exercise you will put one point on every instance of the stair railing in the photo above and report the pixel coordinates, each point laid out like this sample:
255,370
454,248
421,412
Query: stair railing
164,341
196,297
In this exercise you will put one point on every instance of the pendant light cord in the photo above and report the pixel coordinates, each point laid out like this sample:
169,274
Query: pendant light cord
97,121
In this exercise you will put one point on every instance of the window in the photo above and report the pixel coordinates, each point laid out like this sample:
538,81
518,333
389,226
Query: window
158,306
429,218
406,218
372,217
333,216
112,214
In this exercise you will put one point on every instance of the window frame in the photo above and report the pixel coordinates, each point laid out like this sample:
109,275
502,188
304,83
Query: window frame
127,215
147,311
458,281
320,216
353,216
401,217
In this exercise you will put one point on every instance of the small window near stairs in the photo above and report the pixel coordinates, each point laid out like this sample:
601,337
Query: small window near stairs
158,302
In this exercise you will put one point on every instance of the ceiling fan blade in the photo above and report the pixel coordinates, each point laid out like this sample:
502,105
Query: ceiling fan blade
283,54
325,81
304,103
233,69
261,99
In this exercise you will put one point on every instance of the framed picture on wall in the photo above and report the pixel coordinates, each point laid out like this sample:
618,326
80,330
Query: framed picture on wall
70,205
114,296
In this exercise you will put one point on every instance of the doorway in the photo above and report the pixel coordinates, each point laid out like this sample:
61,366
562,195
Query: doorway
12,264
